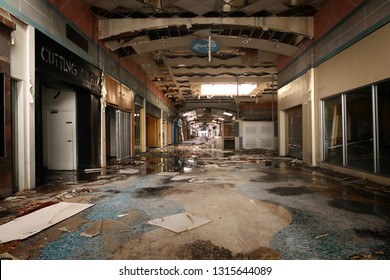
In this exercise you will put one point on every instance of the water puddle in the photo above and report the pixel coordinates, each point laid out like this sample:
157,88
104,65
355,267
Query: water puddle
152,192
359,207
289,191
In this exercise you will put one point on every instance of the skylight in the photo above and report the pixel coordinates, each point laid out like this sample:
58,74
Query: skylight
226,89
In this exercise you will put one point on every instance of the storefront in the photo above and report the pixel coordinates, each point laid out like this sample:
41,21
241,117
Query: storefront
138,124
153,126
68,109
119,119
356,132
294,146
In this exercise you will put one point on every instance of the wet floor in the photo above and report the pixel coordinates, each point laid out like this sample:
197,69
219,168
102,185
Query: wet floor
257,203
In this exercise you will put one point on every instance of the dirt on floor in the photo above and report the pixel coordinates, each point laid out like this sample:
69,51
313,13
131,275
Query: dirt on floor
209,186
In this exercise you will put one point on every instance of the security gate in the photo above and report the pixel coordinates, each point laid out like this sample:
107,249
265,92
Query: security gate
294,132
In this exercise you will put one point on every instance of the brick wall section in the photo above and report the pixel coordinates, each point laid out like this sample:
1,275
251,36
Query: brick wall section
330,14
78,13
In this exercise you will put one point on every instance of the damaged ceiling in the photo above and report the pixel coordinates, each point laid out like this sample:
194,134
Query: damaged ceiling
243,39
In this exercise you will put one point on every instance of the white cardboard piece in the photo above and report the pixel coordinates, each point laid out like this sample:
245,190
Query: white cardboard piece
167,173
28,225
179,222
182,178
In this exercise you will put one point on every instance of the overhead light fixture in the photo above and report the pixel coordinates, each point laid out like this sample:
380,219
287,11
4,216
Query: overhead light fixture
245,39
221,119
227,114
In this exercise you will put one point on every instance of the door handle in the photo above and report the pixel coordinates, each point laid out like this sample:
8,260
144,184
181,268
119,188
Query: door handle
69,141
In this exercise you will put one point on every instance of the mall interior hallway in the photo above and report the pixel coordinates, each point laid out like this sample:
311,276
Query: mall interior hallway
257,206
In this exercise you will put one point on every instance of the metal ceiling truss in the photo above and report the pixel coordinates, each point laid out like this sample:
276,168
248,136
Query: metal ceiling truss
252,34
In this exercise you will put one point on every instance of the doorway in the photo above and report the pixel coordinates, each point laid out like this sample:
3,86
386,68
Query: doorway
294,132
59,129
60,140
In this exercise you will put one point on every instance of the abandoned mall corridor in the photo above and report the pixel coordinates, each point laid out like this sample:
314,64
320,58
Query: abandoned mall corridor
194,202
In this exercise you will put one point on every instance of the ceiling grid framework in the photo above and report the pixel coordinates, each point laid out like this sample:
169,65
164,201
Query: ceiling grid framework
157,35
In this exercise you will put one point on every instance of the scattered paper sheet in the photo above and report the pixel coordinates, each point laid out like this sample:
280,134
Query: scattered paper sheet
179,222
128,171
28,225
182,178
167,173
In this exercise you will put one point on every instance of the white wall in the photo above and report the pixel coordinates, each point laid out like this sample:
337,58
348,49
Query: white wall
300,92
364,63
257,135
23,71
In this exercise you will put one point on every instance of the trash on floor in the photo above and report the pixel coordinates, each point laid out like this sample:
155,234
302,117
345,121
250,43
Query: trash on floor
128,171
12,198
182,178
92,170
7,256
167,173
28,225
179,222
93,230
322,235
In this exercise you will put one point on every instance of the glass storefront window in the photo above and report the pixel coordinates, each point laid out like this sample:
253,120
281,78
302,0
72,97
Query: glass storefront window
333,134
2,118
359,129
384,127
363,108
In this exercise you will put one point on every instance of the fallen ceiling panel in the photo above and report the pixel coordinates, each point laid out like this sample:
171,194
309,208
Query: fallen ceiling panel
28,225
179,222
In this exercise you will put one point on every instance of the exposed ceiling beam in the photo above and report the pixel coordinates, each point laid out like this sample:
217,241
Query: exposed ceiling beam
201,61
227,80
234,42
297,25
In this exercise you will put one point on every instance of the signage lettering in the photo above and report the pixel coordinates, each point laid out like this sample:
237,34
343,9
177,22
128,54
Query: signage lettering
63,64
58,61
54,58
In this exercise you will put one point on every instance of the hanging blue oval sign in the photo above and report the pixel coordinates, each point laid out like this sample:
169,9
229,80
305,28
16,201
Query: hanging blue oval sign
202,46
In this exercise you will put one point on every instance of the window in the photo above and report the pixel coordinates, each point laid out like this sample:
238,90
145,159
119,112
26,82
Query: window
2,116
361,116
333,133
384,127
359,128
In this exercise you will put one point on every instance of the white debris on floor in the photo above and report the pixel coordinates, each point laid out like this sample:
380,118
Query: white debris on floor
128,171
28,225
168,173
182,178
180,222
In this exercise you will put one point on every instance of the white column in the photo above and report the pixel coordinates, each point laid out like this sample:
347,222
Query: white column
103,152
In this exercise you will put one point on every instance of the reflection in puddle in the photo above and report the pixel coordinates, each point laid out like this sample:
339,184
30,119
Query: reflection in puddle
289,191
359,207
